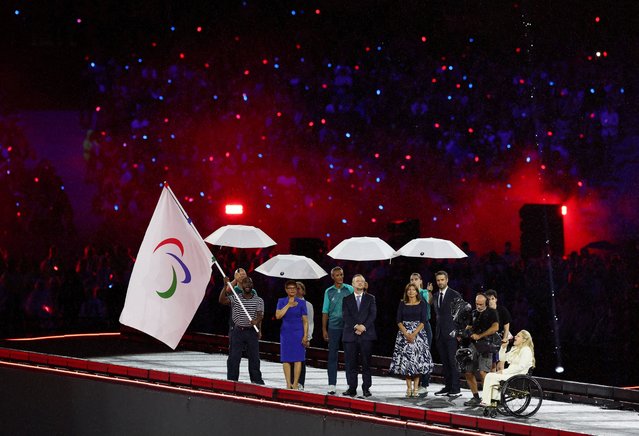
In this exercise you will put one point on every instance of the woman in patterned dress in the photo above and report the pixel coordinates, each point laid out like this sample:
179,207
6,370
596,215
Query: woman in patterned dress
411,357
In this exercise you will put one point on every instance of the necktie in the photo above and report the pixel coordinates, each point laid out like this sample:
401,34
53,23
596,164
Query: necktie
359,300
441,299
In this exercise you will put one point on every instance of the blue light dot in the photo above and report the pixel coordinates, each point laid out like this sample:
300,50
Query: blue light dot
153,159
379,48
464,77
330,197
328,235
139,60
172,136
293,12
377,179
268,206
378,92
329,65
145,137
172,28
244,97
215,97
344,220
331,166
276,66
592,90
551,83
201,193
434,218
528,159
17,12
170,81
62,188
471,40
450,97
621,91
161,98
348,135
470,86
450,68
380,207
17,204
508,146
509,186
92,64
260,155
302,60
116,207
110,285
126,67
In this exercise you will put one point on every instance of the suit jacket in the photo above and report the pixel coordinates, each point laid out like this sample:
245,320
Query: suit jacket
365,315
444,317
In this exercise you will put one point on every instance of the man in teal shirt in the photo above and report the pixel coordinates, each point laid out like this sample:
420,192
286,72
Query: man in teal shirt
333,323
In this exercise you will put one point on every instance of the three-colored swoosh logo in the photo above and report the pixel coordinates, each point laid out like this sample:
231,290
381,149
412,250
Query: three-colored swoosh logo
187,274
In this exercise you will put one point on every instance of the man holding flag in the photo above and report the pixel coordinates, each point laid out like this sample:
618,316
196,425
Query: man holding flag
170,275
247,312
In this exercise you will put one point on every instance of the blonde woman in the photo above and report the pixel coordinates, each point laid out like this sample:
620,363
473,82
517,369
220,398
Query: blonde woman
521,358
411,357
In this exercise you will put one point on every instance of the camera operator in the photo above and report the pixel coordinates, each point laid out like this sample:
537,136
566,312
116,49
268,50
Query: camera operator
485,323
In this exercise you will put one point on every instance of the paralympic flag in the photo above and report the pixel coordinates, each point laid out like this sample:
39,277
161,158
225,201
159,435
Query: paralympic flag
170,274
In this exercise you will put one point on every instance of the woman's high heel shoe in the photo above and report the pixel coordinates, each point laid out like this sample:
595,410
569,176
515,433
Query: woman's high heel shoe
409,393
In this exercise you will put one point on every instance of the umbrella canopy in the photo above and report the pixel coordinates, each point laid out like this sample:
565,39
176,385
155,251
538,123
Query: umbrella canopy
362,248
433,248
239,236
291,266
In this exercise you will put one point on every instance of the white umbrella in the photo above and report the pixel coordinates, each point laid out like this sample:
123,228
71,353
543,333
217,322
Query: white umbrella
239,236
362,248
433,248
291,266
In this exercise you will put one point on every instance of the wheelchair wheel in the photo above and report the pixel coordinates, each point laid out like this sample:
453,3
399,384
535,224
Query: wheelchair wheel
521,395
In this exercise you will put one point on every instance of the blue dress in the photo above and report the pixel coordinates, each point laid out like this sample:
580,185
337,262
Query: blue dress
292,331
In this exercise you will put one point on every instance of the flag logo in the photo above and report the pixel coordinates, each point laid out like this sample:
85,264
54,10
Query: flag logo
187,274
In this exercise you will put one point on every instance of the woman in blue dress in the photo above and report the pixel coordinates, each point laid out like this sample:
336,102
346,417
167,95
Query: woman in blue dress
411,357
426,294
293,333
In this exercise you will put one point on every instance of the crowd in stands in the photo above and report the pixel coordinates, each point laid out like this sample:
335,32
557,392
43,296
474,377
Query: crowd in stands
328,137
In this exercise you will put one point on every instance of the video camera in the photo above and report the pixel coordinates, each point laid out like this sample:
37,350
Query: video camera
462,313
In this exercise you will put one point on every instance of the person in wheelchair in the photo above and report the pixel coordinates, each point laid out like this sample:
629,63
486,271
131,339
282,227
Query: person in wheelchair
520,358
480,333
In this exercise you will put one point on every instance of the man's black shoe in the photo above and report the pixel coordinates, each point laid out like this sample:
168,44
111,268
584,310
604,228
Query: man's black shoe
350,392
453,395
442,391
473,402
367,393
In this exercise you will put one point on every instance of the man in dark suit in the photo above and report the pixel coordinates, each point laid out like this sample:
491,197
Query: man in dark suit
446,345
359,312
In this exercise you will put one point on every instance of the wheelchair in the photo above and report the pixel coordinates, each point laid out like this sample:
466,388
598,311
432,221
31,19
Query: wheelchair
520,396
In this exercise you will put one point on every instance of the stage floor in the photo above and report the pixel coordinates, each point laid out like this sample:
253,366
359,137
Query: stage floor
552,414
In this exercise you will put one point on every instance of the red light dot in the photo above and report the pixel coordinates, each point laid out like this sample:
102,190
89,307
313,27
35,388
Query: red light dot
279,114
408,157
265,61
207,65
437,125
351,171
166,167
589,58
376,155
373,220
317,12
135,166
181,55
476,158
433,80
457,86
597,19
263,138
443,67
154,44
543,167
9,148
166,120
549,133
211,158
592,115
36,179
367,49
356,67
580,184
311,124
324,86
227,154
247,72
328,180
238,116
97,108
522,81
403,167
424,39
471,130
18,214
323,121
581,136
297,46
199,28
518,50
605,54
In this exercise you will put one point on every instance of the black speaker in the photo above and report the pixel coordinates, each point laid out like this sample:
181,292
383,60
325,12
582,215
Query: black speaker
315,248
402,231
542,227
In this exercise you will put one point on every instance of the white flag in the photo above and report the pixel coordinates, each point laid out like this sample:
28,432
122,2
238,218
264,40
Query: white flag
170,274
